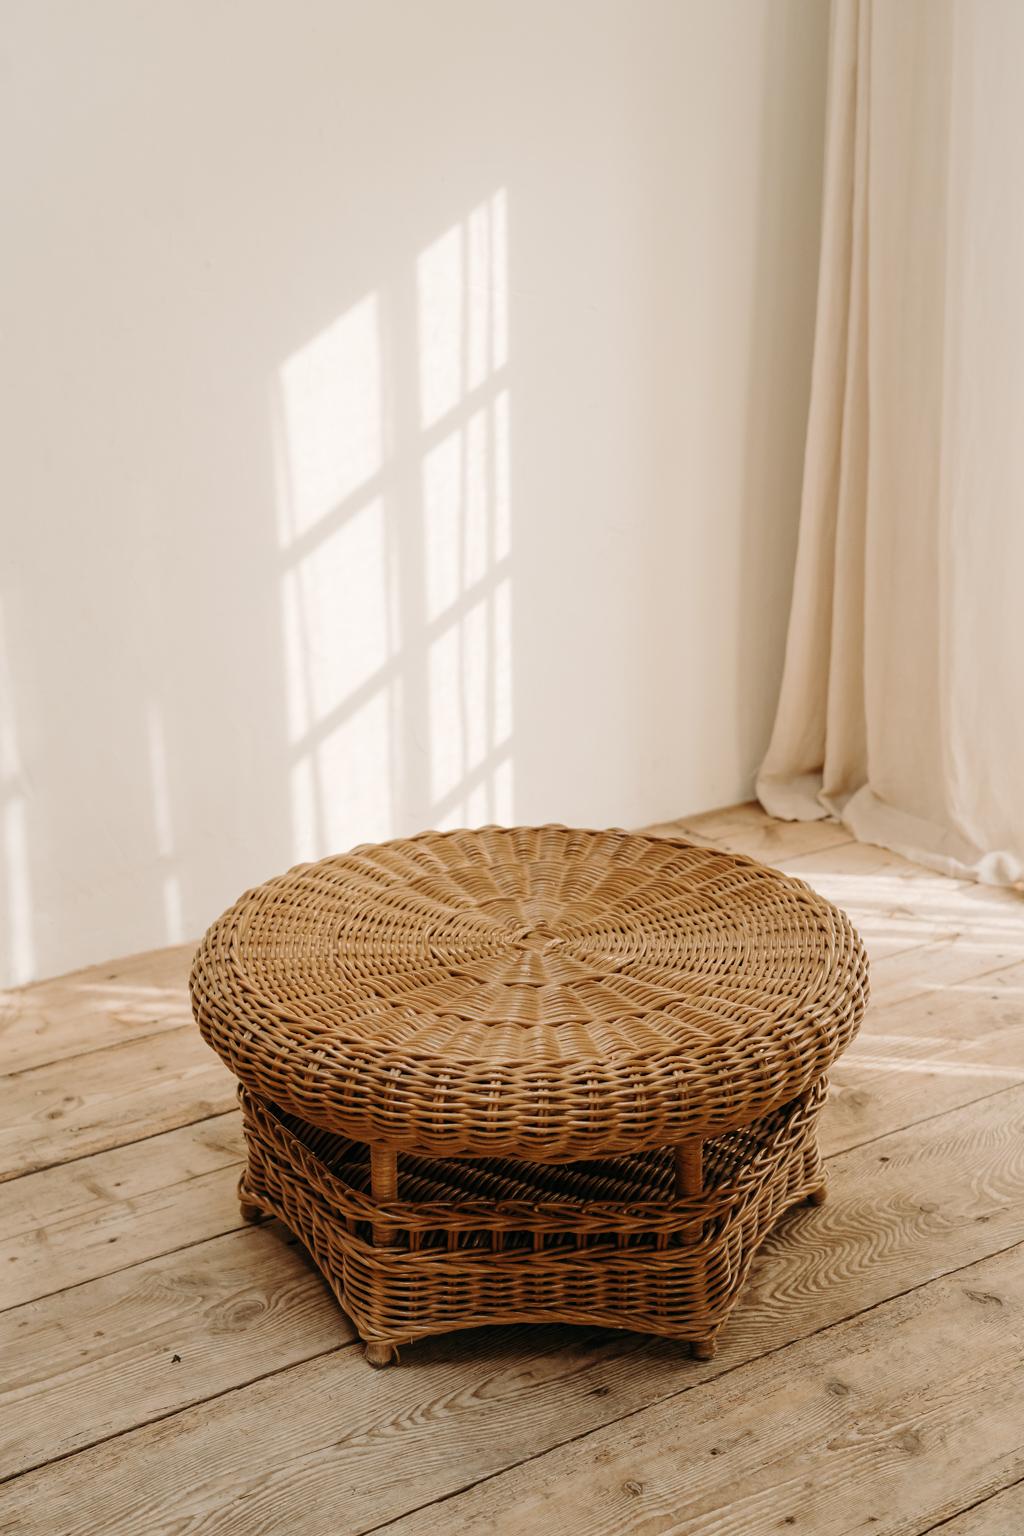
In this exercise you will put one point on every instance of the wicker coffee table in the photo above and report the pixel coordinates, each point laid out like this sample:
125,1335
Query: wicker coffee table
531,1074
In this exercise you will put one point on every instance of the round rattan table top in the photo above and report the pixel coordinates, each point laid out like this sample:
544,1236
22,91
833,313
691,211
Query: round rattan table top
535,991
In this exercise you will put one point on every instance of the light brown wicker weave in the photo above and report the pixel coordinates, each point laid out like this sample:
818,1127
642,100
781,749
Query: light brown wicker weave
531,1073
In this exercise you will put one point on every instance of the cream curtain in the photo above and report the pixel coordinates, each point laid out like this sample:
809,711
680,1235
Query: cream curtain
902,703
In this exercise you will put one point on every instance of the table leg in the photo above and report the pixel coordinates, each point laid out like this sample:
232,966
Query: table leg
383,1186
690,1179
689,1157
251,1212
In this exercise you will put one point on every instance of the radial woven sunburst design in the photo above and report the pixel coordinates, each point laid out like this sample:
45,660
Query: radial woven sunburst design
540,989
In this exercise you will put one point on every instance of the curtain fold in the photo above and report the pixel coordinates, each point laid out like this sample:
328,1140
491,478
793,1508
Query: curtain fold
902,701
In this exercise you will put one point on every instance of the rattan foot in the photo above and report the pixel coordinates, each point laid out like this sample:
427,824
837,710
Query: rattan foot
252,1213
703,1349
818,1196
380,1355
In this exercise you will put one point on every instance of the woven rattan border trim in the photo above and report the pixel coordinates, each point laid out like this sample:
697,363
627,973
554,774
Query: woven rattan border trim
542,992
649,1262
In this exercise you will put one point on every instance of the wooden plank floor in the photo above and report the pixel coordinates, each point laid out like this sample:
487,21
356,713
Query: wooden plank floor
164,1368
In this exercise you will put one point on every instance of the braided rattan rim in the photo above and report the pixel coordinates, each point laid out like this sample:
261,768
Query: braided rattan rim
546,991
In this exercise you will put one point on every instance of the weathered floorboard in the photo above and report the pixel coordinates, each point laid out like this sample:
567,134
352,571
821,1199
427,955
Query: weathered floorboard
87,1010
888,1424
859,1386
1001,1515
81,1220
129,1348
900,1214
53,1113
749,829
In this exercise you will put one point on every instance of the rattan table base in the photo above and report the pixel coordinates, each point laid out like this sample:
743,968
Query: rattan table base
655,1242
525,1074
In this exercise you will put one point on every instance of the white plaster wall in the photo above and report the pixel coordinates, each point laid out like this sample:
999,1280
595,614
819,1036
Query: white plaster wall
403,410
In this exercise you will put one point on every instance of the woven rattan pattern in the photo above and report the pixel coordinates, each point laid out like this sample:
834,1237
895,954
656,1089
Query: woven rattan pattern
534,991
602,1243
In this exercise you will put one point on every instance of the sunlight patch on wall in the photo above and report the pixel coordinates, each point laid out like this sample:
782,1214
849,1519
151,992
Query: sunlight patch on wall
331,402
502,477
337,614
440,294
395,545
336,617
462,331
174,926
17,885
341,790
442,485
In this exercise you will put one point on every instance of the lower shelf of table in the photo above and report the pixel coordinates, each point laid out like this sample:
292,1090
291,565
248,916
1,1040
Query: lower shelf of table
482,1241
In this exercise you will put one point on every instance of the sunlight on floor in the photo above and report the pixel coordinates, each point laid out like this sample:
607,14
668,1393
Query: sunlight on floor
936,1067
897,910
130,1000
